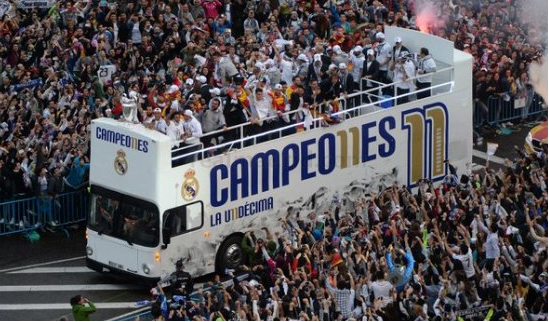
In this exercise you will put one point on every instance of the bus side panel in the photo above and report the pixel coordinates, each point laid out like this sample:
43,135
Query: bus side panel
255,187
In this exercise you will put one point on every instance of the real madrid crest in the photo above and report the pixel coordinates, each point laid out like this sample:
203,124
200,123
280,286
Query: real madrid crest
120,163
190,187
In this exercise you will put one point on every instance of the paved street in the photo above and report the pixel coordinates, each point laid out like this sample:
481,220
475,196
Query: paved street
506,143
37,280
43,292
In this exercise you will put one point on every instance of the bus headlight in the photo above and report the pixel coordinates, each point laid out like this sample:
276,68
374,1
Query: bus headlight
89,251
146,269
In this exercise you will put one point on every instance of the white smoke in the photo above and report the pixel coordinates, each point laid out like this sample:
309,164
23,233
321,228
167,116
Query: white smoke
534,13
538,76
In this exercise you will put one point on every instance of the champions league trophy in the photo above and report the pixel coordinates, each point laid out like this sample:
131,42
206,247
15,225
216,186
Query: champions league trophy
129,105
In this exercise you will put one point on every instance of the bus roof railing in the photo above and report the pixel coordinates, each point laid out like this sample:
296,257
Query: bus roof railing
355,111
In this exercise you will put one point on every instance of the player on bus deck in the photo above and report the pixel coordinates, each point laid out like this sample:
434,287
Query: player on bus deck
192,132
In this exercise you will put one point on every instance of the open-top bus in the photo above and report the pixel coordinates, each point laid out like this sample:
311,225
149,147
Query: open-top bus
150,206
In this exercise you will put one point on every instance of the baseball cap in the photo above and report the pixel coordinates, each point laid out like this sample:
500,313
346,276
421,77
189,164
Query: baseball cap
173,88
278,86
189,82
337,49
370,52
215,91
302,57
403,54
357,48
380,35
342,66
398,39
157,110
188,113
332,66
202,79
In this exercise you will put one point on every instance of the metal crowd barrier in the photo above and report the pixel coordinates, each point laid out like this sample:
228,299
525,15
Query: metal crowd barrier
498,109
30,214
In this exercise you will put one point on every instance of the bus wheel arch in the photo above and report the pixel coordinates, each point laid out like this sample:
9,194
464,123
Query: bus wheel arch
230,254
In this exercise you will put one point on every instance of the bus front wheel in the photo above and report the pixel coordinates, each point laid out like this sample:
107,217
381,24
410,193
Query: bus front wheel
230,254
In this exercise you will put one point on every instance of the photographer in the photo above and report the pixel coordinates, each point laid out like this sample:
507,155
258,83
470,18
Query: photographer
403,70
181,282
82,308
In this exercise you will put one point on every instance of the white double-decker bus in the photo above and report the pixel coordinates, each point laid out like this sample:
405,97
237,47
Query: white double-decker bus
149,207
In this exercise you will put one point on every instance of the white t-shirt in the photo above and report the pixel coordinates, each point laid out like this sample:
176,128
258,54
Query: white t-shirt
402,72
357,62
382,289
160,125
175,130
193,128
384,51
427,65
286,70
467,261
264,107
174,106
136,34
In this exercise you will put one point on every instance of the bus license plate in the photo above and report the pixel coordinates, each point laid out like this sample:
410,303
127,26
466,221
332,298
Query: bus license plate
115,265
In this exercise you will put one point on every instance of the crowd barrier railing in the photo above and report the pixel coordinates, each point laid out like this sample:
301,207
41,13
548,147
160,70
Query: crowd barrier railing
499,109
28,214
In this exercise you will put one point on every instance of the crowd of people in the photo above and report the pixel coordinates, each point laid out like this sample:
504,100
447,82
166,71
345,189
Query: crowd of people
200,66
471,248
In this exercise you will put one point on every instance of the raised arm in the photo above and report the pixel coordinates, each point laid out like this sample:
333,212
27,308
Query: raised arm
465,233
533,233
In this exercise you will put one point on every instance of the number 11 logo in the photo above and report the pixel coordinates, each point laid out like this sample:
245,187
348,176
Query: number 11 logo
427,142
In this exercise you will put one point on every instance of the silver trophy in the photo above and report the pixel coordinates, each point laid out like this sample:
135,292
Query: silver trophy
129,104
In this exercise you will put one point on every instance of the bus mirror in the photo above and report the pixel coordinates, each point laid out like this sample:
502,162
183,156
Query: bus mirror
166,236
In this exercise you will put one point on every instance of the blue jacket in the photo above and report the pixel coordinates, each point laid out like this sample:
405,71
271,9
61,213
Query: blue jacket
409,268
77,173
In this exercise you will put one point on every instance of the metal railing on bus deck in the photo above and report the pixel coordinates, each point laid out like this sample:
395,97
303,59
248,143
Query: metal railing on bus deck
362,104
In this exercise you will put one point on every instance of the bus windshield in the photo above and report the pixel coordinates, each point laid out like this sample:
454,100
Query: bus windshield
124,218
